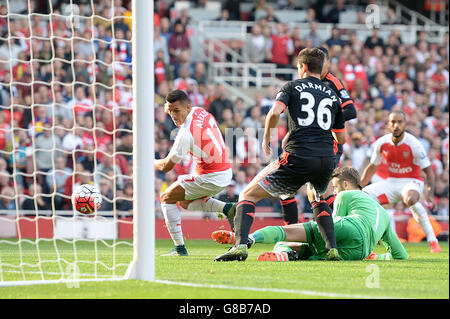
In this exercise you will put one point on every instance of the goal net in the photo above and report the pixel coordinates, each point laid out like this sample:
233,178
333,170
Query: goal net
66,114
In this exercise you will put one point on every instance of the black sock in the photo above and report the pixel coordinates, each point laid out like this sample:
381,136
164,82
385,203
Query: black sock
289,210
330,201
245,213
324,220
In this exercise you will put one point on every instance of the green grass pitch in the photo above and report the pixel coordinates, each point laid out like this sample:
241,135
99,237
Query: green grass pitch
423,275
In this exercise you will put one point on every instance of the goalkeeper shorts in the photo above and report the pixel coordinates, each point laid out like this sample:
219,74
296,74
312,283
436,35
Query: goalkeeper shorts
350,240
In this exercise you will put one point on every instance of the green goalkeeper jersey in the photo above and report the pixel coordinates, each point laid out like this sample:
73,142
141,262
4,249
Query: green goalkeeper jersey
360,209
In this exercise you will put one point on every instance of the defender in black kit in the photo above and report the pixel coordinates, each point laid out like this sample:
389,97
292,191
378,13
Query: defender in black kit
315,120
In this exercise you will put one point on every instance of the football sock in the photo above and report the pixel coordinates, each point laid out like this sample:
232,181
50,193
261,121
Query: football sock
420,215
207,205
324,220
172,217
245,213
269,235
289,210
330,201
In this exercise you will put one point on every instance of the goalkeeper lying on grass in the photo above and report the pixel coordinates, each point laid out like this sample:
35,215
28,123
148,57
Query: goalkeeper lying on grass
359,223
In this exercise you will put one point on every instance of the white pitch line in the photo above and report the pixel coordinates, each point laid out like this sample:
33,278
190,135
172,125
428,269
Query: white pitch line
189,284
259,289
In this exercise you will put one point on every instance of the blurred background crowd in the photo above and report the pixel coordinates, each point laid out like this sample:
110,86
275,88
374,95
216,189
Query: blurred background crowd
75,105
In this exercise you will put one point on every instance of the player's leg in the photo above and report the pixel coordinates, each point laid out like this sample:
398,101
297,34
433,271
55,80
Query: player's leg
211,205
411,198
265,235
198,195
245,213
383,192
323,214
329,196
289,210
172,216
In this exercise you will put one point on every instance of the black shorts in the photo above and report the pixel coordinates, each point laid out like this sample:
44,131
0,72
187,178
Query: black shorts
284,177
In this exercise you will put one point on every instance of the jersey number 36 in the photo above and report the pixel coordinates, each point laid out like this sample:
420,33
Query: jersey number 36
323,112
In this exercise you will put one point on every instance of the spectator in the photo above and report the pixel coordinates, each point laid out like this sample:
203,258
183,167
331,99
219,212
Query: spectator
179,46
56,180
313,35
388,96
258,11
199,74
254,119
255,46
125,147
37,201
247,147
334,13
289,5
357,151
47,148
7,200
73,140
106,165
230,195
281,46
270,15
160,44
107,195
224,15
220,102
335,38
127,203
234,9
374,40
241,181
184,80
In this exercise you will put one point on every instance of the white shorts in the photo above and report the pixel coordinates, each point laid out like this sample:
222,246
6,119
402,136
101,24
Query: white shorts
205,185
393,190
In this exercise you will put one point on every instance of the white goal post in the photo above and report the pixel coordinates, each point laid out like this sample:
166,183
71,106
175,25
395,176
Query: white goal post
57,244
143,264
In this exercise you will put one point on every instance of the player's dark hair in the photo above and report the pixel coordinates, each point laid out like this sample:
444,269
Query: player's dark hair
325,51
313,58
348,174
401,112
177,95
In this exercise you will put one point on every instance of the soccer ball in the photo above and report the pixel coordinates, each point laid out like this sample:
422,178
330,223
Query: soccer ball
86,199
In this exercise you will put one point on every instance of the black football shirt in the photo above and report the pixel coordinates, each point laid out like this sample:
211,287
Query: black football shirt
313,111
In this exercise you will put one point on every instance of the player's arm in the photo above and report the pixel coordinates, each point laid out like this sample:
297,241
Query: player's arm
430,182
272,118
393,245
348,107
339,136
178,151
421,159
338,129
371,169
165,164
349,110
368,173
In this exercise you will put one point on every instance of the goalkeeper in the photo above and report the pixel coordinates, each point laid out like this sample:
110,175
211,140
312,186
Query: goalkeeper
359,223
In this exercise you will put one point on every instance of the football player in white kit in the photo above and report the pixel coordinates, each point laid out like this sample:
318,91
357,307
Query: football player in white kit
405,158
200,136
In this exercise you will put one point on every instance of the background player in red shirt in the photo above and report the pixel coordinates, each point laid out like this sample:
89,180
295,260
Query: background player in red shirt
200,136
405,159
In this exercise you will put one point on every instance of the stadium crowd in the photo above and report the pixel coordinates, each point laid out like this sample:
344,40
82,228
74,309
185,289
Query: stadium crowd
75,105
